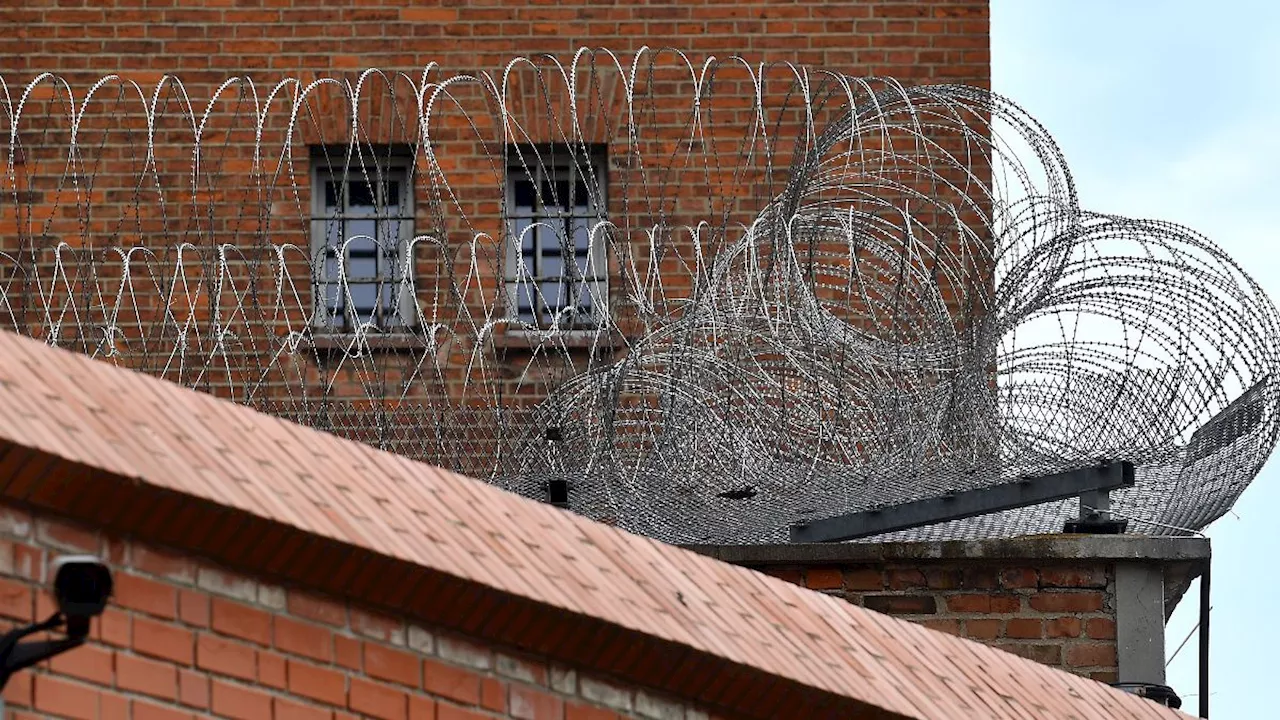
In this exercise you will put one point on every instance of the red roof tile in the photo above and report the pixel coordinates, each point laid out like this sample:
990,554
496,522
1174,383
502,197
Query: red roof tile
144,457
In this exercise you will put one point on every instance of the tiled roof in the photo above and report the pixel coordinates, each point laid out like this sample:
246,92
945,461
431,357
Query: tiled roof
144,457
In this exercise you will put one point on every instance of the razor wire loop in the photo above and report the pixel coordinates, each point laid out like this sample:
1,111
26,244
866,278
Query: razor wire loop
874,293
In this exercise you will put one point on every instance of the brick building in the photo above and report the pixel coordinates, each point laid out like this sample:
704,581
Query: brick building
276,184
206,622
396,590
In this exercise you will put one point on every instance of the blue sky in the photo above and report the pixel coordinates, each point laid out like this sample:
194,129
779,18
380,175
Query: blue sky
1171,110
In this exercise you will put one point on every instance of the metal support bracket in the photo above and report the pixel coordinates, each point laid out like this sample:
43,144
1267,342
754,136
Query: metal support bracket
1095,516
1027,491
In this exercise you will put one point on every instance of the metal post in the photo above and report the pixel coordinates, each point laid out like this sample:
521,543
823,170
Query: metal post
1204,641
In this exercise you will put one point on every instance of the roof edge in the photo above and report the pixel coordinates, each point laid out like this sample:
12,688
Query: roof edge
135,509
1162,549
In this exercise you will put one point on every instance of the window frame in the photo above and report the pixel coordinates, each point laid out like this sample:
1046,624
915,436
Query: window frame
570,160
395,309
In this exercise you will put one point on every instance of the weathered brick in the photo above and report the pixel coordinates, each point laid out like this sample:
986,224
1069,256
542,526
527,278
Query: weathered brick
864,579
1072,577
520,669
1043,654
824,578
67,536
1100,628
906,579
605,694
530,704
982,629
1066,602
377,626
1091,655
1014,578
165,565
392,665
451,682
145,595
305,639
946,625
312,608
221,582
982,603
1024,628
902,604
241,621
1063,627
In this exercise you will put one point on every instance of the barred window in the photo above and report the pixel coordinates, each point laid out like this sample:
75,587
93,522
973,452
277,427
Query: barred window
556,254
362,222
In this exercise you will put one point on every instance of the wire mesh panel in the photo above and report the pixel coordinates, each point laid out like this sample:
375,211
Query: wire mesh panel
701,300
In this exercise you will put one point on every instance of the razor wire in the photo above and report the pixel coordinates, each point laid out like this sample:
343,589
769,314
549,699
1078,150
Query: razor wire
697,301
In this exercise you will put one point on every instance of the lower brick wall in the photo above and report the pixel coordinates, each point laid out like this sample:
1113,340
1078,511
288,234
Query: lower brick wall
1060,614
183,639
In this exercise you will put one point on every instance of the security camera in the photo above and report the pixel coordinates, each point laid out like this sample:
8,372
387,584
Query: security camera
81,587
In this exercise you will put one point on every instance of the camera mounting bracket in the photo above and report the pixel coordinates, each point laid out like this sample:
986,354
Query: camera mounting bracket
15,655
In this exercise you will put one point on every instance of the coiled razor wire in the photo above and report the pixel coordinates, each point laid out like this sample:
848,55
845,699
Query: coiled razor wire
824,293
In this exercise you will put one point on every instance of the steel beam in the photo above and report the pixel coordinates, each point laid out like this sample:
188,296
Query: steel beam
970,503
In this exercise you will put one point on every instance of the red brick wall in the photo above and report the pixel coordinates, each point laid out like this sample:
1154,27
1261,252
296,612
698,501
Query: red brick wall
1060,613
268,40
182,639
910,39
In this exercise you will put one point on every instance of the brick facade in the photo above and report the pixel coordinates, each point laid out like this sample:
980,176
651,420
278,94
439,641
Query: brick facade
1059,614
917,41
914,42
183,639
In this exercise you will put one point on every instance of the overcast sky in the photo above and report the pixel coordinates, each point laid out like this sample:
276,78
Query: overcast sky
1171,110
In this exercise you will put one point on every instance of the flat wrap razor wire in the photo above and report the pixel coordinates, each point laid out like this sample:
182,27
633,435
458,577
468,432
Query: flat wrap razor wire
698,300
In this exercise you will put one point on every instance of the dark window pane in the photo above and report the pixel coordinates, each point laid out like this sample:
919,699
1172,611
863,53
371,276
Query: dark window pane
331,199
524,194
361,194
556,194
392,196
581,199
